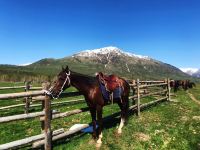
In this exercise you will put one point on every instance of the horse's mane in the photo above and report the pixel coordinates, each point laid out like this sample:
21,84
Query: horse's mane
87,78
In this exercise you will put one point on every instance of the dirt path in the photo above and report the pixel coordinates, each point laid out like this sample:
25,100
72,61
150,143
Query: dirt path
193,98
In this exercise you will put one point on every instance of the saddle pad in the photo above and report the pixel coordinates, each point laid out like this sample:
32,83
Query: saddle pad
106,95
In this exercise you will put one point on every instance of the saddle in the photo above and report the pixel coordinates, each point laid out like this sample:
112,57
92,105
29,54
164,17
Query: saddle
111,82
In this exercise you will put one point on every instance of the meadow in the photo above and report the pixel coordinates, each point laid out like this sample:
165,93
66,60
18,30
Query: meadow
168,125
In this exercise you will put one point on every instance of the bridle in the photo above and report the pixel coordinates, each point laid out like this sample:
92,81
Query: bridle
49,92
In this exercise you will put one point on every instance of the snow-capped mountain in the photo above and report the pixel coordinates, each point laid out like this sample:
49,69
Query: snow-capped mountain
109,56
110,60
107,51
191,71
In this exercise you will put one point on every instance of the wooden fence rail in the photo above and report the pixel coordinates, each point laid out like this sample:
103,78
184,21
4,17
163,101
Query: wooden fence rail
21,94
36,105
28,140
20,87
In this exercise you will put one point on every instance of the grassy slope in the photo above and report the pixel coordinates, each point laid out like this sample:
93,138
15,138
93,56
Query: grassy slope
48,68
169,126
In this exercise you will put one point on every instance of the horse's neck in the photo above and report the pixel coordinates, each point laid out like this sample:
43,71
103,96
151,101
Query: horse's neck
79,82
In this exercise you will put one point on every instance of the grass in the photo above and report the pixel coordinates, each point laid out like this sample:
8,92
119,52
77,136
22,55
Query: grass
168,125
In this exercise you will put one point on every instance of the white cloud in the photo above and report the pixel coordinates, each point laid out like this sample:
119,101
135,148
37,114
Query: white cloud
189,69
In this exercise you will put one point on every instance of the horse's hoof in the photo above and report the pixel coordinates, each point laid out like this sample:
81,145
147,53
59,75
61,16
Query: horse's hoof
98,145
119,132
91,142
99,141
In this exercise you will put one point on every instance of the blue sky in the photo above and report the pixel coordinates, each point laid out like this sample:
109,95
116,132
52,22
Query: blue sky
167,30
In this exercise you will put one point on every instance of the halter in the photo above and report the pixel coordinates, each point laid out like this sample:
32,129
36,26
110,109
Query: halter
49,92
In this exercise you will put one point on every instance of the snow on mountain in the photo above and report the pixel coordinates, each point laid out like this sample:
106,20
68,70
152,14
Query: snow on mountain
107,51
197,74
26,64
190,71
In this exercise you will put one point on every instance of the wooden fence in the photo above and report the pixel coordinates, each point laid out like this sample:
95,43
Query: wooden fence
47,114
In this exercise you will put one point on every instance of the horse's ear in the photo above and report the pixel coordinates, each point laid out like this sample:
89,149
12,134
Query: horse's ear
63,68
67,68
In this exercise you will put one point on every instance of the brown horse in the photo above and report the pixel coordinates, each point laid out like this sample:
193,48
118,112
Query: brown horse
175,84
90,88
185,84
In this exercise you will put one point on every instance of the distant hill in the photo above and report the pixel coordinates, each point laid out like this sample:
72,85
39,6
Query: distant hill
109,60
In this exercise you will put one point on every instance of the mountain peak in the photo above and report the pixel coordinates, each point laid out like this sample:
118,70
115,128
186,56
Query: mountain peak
107,51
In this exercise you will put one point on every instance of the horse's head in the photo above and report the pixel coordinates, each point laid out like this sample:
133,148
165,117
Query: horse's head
62,82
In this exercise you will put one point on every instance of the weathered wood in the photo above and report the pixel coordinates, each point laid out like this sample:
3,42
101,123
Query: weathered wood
42,122
35,88
168,89
60,136
142,106
11,106
27,99
138,97
23,116
152,85
36,105
147,82
28,140
161,81
14,87
66,114
47,122
20,87
133,107
153,93
38,98
21,94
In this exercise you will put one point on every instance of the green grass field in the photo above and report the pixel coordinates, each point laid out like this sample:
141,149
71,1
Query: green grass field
168,125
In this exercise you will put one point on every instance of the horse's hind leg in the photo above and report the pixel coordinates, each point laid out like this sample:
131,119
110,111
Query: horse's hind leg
124,111
119,130
100,123
93,114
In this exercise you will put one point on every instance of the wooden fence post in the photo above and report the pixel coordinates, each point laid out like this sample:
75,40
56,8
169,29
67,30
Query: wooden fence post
168,89
133,90
138,97
45,86
48,117
27,99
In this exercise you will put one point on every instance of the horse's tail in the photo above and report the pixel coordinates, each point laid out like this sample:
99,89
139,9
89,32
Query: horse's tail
193,84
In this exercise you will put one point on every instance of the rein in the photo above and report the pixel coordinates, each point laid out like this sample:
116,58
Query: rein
61,89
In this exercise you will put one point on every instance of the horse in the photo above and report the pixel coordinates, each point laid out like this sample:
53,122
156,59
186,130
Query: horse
187,84
175,84
89,87
191,85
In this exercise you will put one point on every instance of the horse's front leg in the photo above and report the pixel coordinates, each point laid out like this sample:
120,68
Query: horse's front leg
93,114
100,123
